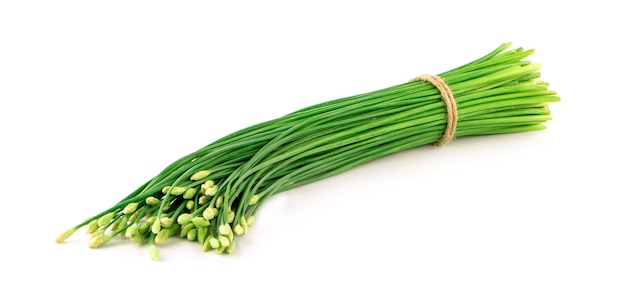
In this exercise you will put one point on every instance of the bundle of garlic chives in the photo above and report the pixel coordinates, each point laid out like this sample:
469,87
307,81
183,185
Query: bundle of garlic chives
212,195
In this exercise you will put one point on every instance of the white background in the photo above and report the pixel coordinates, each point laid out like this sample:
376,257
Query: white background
97,97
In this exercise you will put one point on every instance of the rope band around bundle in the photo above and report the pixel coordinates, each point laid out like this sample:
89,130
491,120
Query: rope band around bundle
448,99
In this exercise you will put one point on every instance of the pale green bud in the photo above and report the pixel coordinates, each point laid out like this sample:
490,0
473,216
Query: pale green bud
184,218
105,219
177,191
153,251
114,225
166,207
185,229
208,213
224,229
92,226
156,226
208,184
238,230
244,224
199,175
203,200
200,222
202,234
139,239
166,189
206,246
214,243
173,229
152,200
250,220
130,208
119,223
231,248
224,242
191,235
254,199
190,205
166,222
231,216
161,237
131,230
97,233
143,228
65,235
98,241
219,201
211,191
135,215
151,220
190,193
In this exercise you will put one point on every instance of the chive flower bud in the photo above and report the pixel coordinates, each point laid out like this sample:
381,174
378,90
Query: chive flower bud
203,200
224,229
105,219
65,235
200,222
185,229
123,221
135,215
206,246
177,191
231,216
208,213
224,242
115,224
152,200
139,239
199,175
202,234
190,205
238,230
92,226
184,218
120,222
254,199
219,202
250,220
153,251
231,248
143,228
208,184
98,241
131,230
130,208
244,224
161,237
173,229
191,235
166,222
156,226
214,242
211,191
190,193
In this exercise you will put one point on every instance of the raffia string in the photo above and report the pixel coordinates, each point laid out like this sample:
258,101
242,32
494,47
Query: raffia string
448,99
